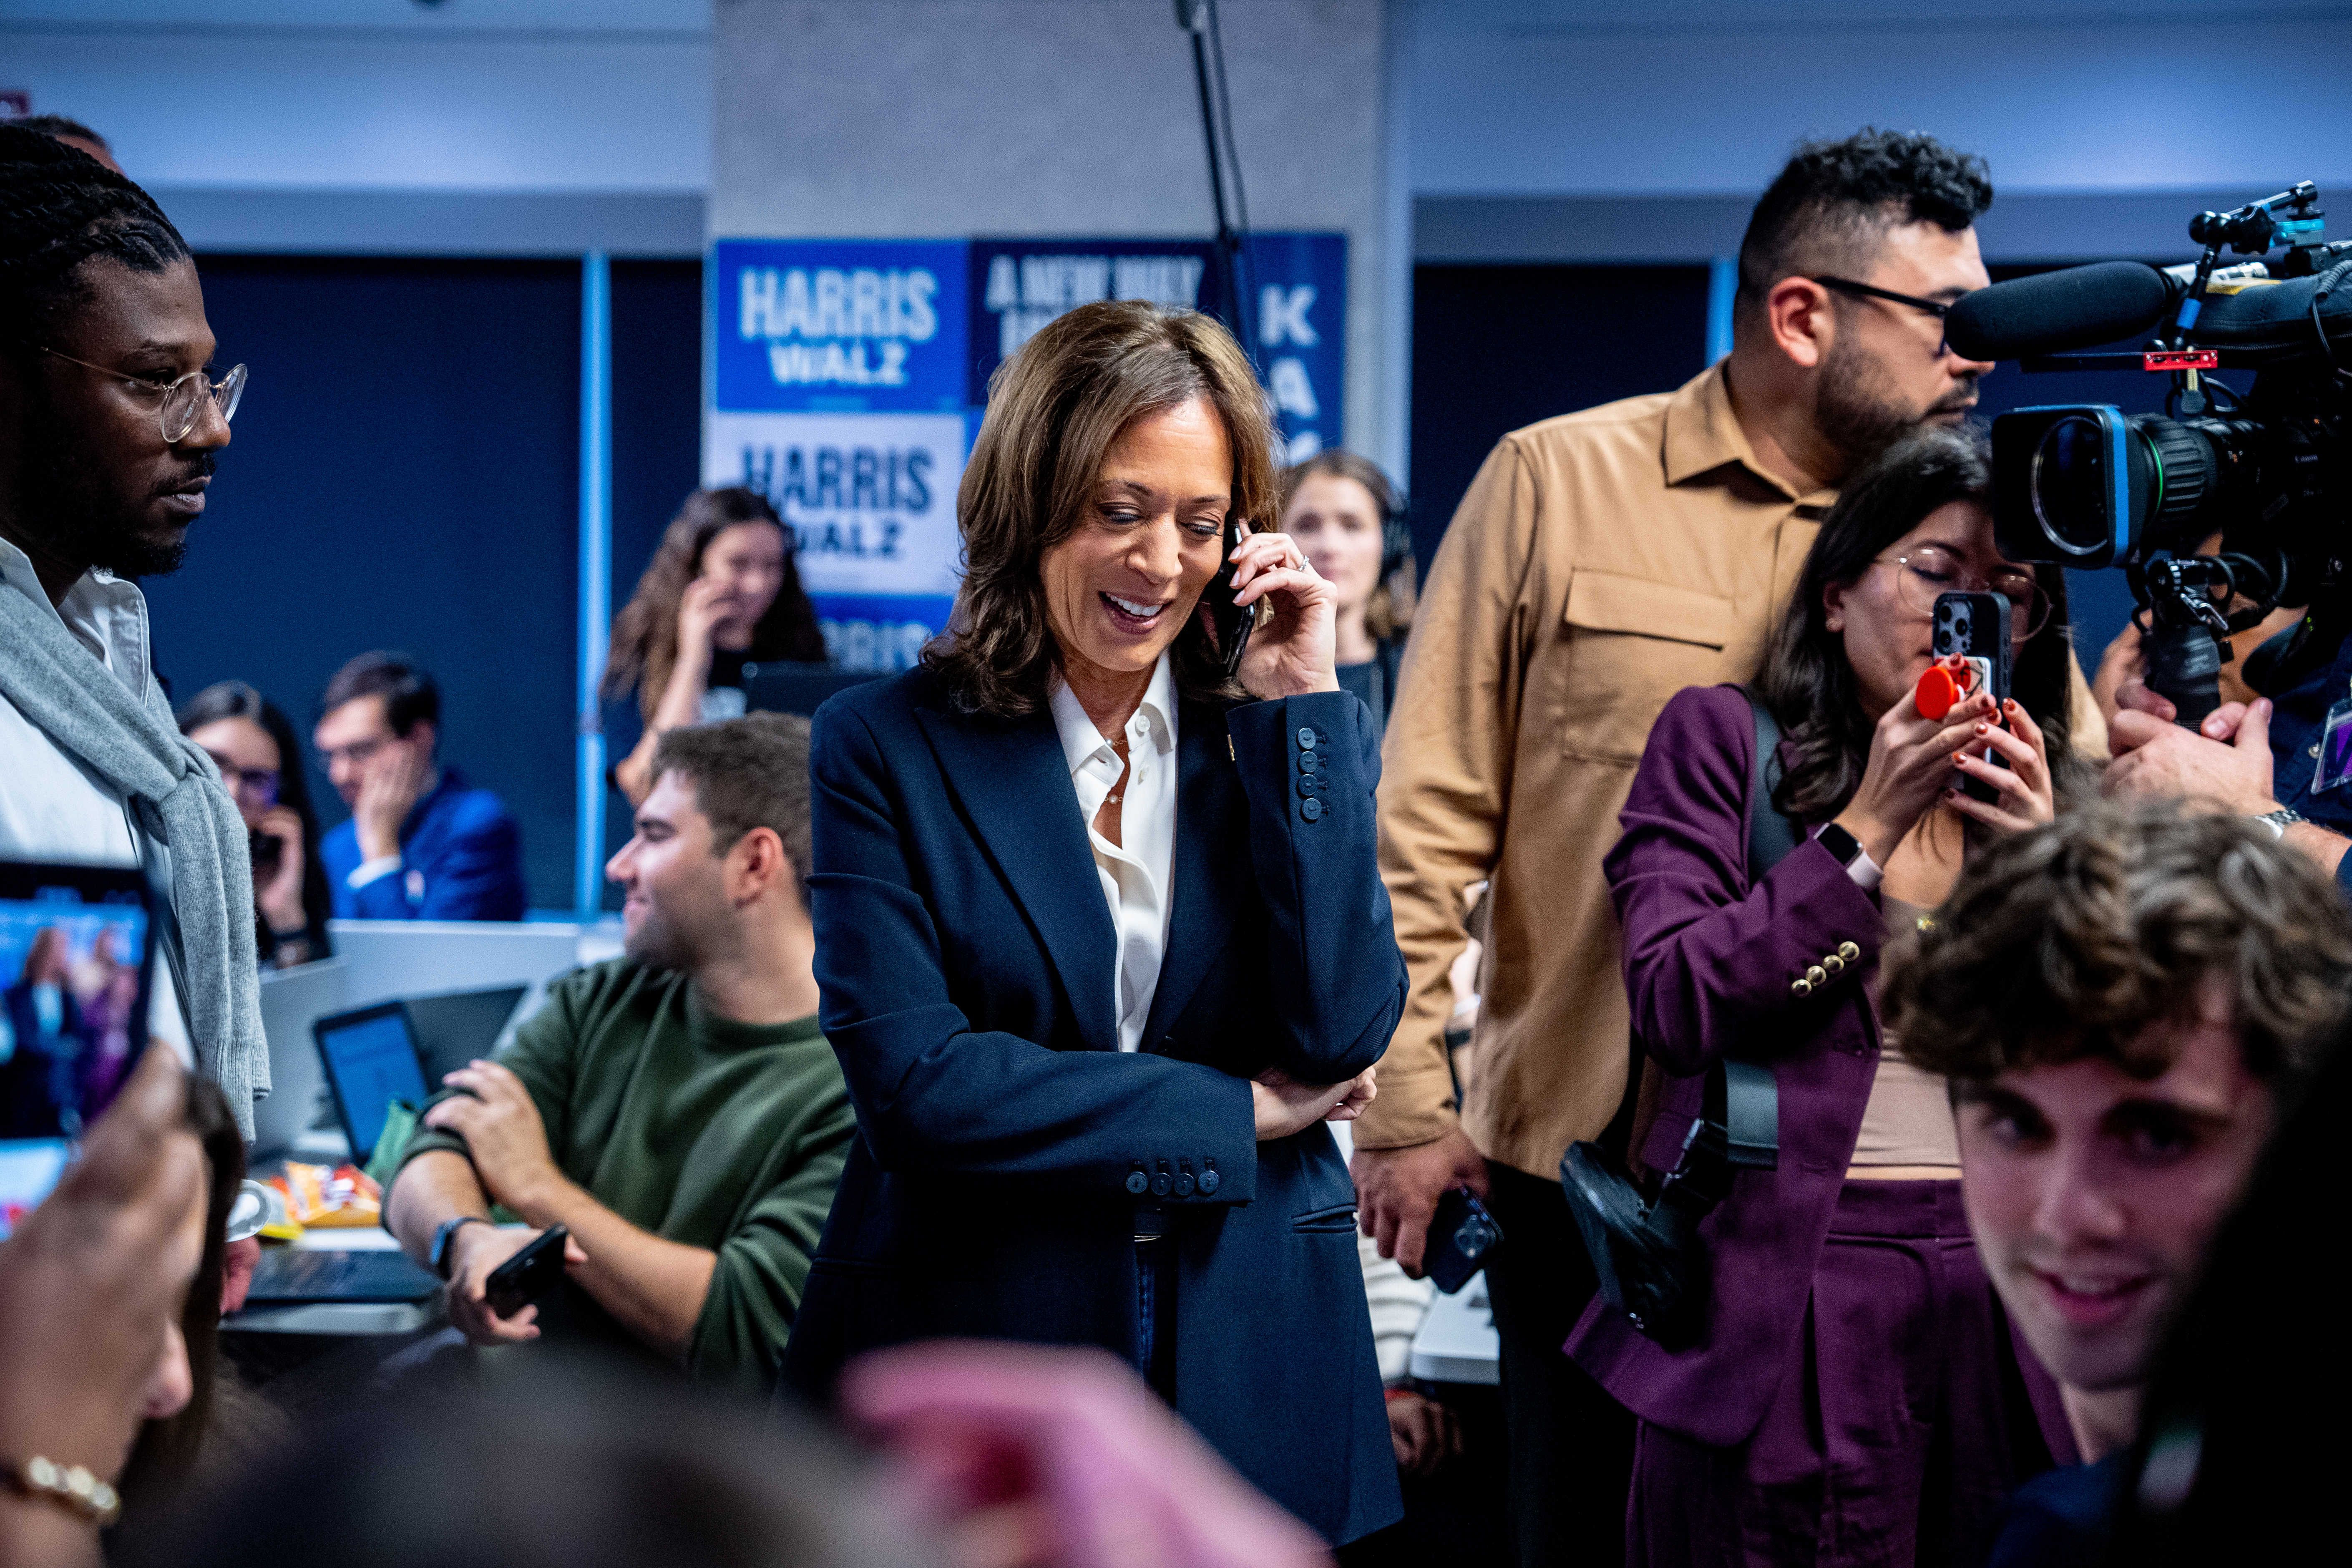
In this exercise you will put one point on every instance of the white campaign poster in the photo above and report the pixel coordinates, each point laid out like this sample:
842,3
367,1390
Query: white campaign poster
870,499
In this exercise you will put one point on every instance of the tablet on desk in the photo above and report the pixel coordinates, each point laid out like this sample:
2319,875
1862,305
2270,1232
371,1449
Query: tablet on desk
371,1059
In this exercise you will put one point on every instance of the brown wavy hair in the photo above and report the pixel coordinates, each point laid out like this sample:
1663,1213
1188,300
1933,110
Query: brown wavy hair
644,633
1806,680
2068,940
1053,409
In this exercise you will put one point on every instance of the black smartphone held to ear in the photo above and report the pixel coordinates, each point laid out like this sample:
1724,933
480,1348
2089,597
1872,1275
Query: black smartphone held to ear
1233,622
1976,626
1458,1240
529,1275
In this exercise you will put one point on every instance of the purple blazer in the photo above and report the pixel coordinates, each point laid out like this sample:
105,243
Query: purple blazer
1710,960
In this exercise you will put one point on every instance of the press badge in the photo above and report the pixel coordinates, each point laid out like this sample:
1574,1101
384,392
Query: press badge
2335,749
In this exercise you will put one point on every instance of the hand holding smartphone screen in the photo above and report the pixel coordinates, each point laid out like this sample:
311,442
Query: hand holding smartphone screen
76,956
529,1275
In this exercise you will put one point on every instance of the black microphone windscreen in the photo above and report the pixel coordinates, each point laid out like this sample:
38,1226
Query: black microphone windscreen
2055,312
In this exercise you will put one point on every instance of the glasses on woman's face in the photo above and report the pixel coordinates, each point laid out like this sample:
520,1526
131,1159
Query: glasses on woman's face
1928,570
256,787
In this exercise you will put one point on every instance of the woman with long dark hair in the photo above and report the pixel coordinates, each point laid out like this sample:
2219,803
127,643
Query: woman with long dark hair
721,593
260,762
1350,519
1100,930
1842,1397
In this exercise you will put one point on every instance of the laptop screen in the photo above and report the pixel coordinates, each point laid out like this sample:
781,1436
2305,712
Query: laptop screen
371,1062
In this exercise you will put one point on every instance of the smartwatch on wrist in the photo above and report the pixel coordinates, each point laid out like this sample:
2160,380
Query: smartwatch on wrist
442,1238
1842,846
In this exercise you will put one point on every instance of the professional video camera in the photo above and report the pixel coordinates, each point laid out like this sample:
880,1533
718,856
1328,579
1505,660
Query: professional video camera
2089,486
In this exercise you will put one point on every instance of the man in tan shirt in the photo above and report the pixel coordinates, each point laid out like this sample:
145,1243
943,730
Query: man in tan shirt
1601,562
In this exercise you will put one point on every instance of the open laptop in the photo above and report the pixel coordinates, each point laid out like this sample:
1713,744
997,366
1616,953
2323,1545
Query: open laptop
288,1276
783,686
292,1001
459,1026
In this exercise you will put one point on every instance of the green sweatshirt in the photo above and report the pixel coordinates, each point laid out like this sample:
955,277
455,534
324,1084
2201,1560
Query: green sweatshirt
700,1130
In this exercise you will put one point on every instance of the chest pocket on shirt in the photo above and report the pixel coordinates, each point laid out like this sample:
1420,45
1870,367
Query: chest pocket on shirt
1632,644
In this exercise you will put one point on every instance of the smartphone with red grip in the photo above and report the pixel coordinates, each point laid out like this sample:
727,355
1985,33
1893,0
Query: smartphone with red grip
1976,627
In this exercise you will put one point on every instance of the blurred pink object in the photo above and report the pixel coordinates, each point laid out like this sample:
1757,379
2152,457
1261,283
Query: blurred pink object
1045,1456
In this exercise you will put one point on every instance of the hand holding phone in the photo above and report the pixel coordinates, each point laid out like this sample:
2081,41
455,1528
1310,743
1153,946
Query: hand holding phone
529,1276
1233,622
1459,1238
1976,627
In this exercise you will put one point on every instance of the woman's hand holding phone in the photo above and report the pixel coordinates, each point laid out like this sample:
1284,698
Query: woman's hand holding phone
706,603
1291,653
2028,795
1911,767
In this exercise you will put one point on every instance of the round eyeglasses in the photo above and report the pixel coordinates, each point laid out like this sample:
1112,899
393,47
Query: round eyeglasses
258,786
183,399
1930,569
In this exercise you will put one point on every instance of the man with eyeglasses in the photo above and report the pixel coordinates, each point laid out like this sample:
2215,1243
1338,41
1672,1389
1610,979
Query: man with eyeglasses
1600,563
423,842
109,421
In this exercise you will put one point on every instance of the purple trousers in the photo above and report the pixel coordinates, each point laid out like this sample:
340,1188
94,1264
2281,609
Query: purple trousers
1905,1420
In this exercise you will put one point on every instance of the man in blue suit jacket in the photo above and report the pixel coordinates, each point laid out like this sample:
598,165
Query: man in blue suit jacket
422,844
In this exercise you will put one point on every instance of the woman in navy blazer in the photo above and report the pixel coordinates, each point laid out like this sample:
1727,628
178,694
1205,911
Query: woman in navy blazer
1091,1074
1855,1395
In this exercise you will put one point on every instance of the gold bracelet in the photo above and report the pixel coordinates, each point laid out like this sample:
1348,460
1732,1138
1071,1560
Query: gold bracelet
70,1487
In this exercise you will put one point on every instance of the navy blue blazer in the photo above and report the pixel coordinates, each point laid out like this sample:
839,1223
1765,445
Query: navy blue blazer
966,961
460,860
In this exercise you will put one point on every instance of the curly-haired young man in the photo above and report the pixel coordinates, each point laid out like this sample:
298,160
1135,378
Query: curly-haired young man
2121,1000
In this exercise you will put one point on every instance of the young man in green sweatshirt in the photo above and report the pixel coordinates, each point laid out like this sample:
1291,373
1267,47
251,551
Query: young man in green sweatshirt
677,1109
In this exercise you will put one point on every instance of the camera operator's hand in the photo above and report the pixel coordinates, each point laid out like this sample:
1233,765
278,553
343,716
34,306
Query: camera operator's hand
2121,666
2228,765
1910,767
2027,794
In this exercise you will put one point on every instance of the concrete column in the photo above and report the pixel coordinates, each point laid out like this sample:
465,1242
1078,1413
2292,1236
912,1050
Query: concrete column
902,119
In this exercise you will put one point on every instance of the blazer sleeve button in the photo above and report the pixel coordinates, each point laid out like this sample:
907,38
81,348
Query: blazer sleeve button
1817,974
1137,1182
1306,739
1310,808
1208,1180
1183,1184
1161,1184
1833,963
1848,952
1801,987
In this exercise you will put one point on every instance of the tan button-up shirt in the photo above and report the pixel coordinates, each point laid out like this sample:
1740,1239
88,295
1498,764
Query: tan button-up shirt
1601,562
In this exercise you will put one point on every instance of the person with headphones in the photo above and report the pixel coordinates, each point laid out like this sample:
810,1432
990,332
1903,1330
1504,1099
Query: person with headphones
1350,520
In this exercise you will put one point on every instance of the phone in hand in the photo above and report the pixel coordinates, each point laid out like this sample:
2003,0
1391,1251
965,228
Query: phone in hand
529,1275
1459,1237
1234,623
1976,626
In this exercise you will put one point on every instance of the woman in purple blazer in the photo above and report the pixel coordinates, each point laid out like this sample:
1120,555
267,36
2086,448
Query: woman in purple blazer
1855,1395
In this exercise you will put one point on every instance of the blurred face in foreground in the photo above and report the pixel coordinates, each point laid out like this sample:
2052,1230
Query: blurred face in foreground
2093,1194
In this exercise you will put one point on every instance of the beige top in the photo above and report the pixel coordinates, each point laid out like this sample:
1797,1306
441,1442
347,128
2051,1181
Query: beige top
1600,563
1907,1120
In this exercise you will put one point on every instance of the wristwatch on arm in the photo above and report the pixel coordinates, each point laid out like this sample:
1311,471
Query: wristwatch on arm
2277,821
439,1258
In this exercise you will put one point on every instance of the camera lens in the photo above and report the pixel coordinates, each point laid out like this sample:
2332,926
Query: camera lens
2072,486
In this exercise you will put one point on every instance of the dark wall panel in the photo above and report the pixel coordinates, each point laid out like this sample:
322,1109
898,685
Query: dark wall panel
656,452
405,474
1496,347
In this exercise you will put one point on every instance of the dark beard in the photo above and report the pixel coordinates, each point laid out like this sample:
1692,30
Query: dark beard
76,513
1859,421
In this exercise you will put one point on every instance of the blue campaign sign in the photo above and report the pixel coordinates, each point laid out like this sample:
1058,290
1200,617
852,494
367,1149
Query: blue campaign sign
1300,320
838,326
1295,289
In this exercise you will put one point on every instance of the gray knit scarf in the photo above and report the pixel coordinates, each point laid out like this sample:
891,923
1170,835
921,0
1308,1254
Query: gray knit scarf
62,689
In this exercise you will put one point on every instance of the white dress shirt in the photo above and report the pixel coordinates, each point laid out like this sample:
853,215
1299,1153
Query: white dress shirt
52,806
1134,872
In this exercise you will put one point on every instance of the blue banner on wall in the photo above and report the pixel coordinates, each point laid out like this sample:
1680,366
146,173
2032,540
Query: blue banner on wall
839,326
847,377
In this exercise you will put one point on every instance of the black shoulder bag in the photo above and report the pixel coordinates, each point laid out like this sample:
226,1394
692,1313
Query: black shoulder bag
1645,1248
